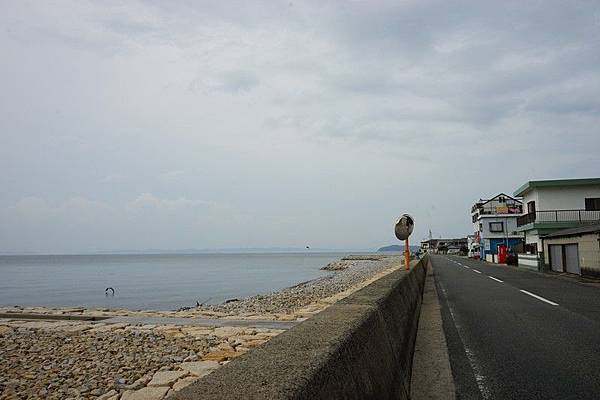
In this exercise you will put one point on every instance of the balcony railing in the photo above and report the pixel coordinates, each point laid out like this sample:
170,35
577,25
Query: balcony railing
582,216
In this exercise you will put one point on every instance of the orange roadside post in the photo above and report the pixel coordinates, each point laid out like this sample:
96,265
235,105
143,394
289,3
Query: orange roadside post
402,230
406,256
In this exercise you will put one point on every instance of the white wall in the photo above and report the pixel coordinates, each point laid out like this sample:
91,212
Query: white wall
560,198
532,195
528,261
510,225
531,238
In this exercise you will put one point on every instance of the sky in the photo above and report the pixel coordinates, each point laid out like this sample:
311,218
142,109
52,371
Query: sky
212,124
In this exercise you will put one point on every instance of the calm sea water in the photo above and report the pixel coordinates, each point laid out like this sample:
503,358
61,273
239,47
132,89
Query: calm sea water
151,281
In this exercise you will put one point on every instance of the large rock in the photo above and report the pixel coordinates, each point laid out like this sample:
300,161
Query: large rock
108,395
147,393
166,378
227,331
200,368
220,355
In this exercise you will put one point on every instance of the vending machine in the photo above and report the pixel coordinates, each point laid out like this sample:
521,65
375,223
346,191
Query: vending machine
502,253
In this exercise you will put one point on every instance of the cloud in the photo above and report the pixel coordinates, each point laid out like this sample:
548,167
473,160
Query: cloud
309,121
149,201
172,175
113,178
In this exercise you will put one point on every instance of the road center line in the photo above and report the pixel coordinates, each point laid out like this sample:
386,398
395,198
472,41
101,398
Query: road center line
476,271
466,267
539,297
496,279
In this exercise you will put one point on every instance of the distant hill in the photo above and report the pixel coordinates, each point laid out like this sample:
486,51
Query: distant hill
397,248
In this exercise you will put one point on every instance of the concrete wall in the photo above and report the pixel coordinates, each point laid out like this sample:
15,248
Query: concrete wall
528,261
359,348
589,252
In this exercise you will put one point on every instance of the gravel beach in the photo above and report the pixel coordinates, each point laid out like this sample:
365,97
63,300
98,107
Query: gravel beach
66,359
350,272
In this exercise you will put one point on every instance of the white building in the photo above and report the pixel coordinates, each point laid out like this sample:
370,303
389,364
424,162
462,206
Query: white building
552,205
494,225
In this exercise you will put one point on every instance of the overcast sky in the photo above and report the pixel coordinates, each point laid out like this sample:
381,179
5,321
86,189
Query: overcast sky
190,124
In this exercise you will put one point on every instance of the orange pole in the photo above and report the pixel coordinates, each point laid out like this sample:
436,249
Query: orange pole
406,256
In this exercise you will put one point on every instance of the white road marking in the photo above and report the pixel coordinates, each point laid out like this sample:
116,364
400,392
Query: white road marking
496,279
476,271
466,267
539,297
480,378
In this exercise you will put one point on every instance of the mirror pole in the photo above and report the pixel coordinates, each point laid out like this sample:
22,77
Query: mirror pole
406,255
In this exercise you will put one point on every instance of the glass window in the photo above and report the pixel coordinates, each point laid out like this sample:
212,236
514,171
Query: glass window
496,226
592,204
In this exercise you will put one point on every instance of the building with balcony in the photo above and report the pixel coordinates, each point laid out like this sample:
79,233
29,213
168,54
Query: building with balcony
553,205
495,224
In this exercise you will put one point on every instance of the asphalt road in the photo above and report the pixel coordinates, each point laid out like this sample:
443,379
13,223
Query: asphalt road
505,343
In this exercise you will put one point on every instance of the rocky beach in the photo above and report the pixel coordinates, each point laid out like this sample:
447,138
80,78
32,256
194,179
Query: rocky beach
55,357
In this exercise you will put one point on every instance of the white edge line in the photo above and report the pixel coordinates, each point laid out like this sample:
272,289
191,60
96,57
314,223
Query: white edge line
496,279
539,297
476,271
479,377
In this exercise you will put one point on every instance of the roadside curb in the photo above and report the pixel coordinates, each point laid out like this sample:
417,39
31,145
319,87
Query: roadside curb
431,375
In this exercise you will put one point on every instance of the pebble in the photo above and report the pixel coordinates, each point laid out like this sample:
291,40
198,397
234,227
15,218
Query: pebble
105,361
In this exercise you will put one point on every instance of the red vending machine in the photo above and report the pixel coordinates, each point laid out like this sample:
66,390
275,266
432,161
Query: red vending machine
502,252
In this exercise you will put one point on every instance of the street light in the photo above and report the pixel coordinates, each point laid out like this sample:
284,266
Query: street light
403,229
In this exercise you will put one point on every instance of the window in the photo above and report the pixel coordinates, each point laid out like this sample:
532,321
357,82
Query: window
592,204
531,207
531,248
496,226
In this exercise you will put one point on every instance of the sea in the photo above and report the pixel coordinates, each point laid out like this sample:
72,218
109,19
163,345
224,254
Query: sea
151,281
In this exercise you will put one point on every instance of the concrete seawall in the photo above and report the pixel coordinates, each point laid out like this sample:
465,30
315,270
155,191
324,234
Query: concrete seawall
359,348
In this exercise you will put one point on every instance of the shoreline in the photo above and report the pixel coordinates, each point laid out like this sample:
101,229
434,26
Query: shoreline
48,358
244,308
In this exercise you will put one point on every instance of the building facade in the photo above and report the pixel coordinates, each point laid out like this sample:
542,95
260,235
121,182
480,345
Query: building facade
495,225
574,250
552,205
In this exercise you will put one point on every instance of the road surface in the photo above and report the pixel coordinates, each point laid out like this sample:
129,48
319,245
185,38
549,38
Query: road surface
516,334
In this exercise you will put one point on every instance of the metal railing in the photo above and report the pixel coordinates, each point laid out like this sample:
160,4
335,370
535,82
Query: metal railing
582,216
